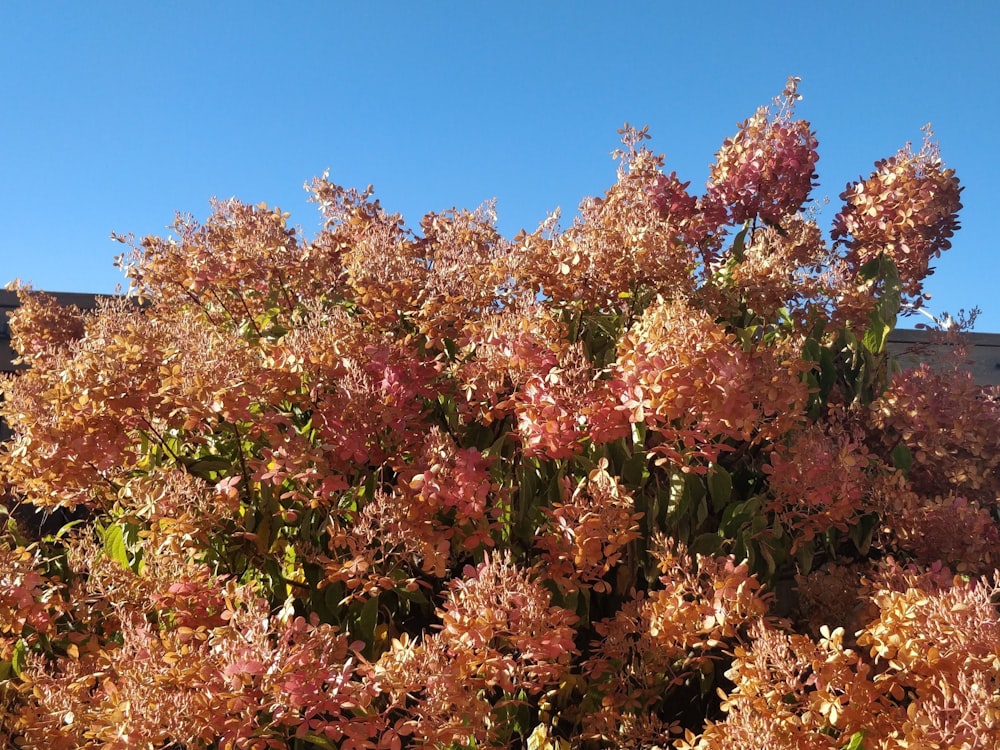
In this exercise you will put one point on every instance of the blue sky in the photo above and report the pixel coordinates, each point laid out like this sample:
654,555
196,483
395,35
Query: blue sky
117,114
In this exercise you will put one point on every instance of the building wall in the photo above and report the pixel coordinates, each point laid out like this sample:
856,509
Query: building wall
983,357
8,302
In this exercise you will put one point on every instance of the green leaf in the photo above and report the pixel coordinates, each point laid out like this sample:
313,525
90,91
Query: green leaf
528,485
870,269
659,508
619,454
855,742
416,596
207,468
706,544
902,459
695,487
701,514
554,494
18,655
876,335
744,550
114,545
319,741
720,487
738,515
739,243
333,595
862,532
65,529
767,552
883,318
634,472
449,411
827,372
366,621
888,309
785,317
811,350
487,444
805,555
706,677
680,496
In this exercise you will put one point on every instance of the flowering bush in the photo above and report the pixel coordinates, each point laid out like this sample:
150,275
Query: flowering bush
645,481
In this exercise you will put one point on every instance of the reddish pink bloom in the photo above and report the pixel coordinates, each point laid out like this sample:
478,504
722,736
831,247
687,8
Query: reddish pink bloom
767,169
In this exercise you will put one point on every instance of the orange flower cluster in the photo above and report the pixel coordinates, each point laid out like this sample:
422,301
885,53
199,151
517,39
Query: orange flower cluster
41,325
948,425
226,680
500,636
907,209
782,270
558,410
499,353
821,481
928,679
626,241
23,605
656,643
692,382
588,533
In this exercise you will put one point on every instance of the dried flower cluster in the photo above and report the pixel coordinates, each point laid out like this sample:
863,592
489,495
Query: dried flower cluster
641,482
766,170
907,209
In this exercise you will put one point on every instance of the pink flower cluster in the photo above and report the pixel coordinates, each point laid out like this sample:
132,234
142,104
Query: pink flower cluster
768,168
907,208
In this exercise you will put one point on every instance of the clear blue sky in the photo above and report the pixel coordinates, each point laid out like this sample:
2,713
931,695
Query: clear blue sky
115,115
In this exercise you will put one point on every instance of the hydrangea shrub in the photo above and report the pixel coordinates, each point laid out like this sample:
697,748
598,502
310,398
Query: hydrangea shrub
648,480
